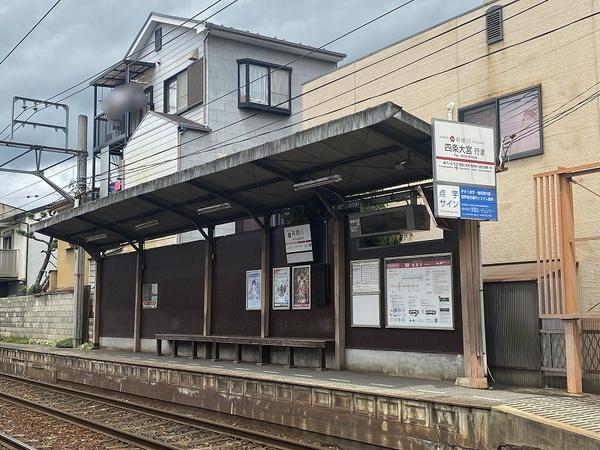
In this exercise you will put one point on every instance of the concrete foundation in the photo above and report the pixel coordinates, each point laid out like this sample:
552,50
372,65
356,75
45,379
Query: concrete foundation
433,366
365,414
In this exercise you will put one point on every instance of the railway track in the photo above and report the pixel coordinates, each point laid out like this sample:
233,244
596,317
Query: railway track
134,425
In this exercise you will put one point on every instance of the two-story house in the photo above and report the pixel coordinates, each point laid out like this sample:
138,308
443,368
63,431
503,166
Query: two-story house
208,87
20,257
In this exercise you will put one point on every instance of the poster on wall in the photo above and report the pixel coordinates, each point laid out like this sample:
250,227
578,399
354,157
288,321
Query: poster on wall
298,244
150,296
281,288
253,280
365,293
418,292
301,287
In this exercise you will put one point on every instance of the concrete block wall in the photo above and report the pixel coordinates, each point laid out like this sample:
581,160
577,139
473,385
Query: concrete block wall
48,316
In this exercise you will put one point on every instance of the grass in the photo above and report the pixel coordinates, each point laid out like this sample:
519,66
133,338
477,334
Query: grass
62,343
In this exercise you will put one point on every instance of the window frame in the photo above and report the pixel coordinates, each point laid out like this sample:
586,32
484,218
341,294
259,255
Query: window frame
174,77
166,94
258,106
495,101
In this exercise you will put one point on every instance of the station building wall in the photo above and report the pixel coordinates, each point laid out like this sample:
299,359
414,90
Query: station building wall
179,271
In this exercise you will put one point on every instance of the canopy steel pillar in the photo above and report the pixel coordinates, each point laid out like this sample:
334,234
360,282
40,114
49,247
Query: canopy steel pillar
139,279
265,285
208,278
339,289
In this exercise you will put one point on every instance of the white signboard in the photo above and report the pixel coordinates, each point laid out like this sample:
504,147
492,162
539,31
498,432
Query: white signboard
298,244
463,153
281,288
419,292
365,293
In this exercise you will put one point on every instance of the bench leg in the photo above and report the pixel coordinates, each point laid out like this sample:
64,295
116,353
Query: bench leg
264,356
158,347
194,350
321,359
175,348
290,358
238,354
216,358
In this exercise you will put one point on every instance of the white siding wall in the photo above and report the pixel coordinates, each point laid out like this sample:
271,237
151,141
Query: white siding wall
171,59
153,135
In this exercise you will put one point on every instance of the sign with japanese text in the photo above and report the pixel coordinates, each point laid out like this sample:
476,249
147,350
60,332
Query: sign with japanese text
464,171
466,202
418,292
298,244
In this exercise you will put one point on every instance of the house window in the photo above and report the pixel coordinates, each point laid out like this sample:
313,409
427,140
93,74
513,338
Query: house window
7,241
516,119
136,118
185,90
157,39
493,24
264,86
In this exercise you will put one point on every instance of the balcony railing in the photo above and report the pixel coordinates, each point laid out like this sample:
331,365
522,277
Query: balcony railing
108,131
9,263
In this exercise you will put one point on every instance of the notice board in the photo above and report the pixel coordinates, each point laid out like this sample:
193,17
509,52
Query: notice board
366,293
419,292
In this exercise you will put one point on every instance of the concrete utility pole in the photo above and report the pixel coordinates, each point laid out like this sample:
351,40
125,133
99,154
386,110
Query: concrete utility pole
79,310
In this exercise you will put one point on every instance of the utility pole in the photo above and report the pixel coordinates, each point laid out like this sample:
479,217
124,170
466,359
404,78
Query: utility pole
79,311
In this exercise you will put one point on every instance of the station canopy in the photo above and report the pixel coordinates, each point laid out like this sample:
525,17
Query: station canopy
376,148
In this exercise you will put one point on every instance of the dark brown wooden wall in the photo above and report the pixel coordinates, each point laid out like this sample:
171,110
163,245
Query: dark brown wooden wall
179,272
234,255
440,341
117,300
318,322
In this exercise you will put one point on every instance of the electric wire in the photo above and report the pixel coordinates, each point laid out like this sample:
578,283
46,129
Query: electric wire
29,32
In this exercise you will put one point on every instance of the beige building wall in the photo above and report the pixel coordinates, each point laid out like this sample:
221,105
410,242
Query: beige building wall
564,63
65,266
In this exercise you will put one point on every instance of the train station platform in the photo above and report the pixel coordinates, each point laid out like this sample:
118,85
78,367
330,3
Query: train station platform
371,408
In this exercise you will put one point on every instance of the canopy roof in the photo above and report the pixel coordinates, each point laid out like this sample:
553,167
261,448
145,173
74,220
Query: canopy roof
115,75
376,148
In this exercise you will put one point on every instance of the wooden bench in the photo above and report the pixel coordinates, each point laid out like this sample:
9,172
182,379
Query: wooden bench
264,345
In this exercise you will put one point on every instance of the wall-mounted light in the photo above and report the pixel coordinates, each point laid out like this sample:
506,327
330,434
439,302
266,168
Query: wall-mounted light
318,182
144,225
96,237
214,208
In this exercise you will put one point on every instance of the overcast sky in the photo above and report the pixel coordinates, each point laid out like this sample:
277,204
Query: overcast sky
81,37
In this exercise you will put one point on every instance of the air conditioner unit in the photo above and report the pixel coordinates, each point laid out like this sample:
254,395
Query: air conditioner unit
401,219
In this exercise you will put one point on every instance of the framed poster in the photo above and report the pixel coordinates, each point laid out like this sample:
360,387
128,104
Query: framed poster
150,296
253,289
281,288
301,287
418,292
365,293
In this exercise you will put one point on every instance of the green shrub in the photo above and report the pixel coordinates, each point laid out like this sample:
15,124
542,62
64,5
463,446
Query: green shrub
65,343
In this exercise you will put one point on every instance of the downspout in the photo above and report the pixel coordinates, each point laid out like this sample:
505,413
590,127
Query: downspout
206,78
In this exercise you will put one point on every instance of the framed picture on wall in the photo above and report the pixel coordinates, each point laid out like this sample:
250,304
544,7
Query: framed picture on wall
253,289
301,287
281,288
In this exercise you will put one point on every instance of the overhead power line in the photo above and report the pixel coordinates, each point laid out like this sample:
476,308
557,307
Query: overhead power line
278,68
29,32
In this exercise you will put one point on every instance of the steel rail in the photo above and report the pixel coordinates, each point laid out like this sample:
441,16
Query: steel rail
107,430
12,443
258,437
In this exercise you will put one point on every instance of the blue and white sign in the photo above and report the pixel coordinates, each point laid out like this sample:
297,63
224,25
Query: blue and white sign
464,171
466,202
